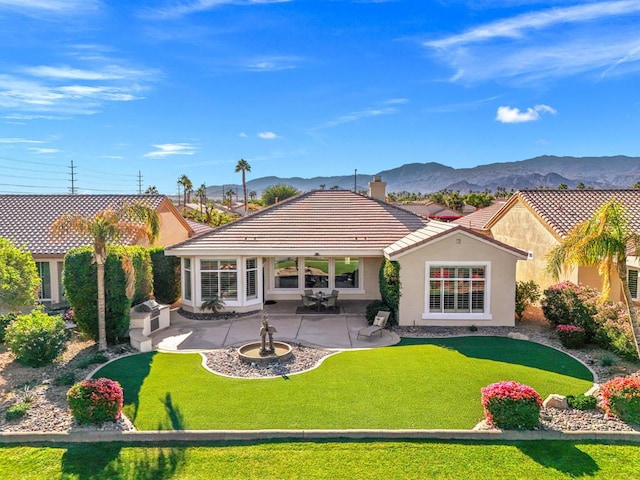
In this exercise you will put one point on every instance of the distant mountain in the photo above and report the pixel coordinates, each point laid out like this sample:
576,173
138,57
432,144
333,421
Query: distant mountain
547,171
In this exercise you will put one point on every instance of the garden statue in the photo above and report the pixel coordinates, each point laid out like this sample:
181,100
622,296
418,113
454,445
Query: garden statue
265,330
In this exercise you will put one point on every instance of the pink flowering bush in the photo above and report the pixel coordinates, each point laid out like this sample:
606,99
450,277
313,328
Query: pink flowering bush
569,304
96,400
511,405
571,336
614,329
36,338
622,398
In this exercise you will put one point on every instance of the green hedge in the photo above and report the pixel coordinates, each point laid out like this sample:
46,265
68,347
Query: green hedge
80,283
166,276
389,278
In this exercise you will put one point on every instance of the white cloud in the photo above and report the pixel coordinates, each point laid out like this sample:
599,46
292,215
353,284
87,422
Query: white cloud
168,149
41,151
50,6
267,135
355,116
546,44
187,8
272,64
19,140
507,114
108,72
243,135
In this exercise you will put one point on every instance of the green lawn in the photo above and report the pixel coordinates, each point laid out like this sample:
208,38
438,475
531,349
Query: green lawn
330,460
418,384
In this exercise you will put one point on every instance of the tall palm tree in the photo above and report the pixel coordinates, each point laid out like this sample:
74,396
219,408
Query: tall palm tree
133,222
601,241
201,195
151,190
187,186
244,167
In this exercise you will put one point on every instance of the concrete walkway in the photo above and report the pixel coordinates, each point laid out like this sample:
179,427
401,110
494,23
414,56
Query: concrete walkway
339,331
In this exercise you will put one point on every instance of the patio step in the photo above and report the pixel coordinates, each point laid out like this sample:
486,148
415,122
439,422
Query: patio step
139,341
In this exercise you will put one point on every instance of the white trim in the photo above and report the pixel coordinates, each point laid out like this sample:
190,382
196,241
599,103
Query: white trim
486,315
271,288
192,262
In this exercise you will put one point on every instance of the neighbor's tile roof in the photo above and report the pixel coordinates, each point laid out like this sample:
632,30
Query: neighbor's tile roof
563,209
26,219
427,210
478,219
320,221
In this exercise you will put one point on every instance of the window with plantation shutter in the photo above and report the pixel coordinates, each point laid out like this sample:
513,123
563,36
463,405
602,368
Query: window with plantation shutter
457,289
219,278
632,278
187,279
251,271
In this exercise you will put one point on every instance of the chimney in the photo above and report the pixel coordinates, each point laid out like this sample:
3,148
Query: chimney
377,188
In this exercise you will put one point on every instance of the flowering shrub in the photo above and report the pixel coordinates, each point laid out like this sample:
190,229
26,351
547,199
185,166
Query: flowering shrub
614,329
69,316
36,338
95,400
571,336
511,405
567,303
622,398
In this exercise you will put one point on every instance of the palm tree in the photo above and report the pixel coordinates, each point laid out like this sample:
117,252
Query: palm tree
252,195
151,190
601,241
243,166
187,186
133,222
201,195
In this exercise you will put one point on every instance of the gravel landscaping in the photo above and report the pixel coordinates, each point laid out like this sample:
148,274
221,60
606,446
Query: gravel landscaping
48,406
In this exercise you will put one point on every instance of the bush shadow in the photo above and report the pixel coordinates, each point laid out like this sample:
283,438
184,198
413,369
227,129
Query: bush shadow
565,457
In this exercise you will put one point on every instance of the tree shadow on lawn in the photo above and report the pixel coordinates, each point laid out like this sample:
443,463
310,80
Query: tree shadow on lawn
109,461
131,372
509,350
562,456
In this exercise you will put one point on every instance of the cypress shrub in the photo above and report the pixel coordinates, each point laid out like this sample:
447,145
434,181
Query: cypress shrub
389,279
166,276
80,282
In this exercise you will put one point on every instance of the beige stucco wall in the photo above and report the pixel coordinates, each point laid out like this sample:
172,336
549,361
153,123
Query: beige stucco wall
457,248
520,228
172,229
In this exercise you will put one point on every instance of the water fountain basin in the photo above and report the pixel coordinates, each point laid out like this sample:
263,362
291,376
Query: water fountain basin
250,353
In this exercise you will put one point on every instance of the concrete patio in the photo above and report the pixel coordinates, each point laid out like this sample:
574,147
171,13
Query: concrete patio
328,330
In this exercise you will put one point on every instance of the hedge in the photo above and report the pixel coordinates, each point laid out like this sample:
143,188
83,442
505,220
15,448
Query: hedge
166,276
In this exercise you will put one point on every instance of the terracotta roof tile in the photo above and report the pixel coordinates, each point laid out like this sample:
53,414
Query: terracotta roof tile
563,209
26,219
321,220
429,210
478,219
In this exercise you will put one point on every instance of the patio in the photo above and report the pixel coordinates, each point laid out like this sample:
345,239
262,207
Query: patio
332,330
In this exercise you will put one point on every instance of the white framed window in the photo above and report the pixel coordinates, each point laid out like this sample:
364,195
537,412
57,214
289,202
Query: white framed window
251,276
187,291
632,279
457,290
338,273
219,278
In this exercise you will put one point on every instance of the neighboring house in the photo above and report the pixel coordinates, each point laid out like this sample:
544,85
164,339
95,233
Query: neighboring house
336,239
27,219
431,210
538,220
478,219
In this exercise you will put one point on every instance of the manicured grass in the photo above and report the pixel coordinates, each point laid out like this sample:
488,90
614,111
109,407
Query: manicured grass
423,385
331,460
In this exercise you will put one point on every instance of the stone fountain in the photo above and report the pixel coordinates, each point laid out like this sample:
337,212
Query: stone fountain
265,351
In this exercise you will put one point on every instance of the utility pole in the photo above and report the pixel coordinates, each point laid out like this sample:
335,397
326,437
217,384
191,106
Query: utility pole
139,182
355,181
72,191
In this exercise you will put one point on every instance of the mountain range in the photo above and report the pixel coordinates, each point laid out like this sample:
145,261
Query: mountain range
545,171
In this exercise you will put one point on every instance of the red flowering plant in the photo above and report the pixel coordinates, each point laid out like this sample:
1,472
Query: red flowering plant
622,398
511,405
96,400
571,336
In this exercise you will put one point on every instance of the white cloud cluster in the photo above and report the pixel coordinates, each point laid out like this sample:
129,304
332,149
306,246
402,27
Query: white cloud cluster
35,7
515,115
187,8
547,43
267,135
168,149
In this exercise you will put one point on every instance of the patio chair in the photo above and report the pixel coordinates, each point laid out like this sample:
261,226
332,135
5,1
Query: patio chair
308,292
379,322
308,301
330,301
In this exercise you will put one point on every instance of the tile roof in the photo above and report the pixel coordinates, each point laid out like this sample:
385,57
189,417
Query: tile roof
561,210
434,230
198,228
26,219
429,210
323,221
478,219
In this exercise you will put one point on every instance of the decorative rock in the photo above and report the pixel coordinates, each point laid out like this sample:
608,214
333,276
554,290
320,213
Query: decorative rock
556,401
517,336
593,391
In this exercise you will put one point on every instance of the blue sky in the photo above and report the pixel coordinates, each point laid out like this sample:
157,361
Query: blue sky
306,87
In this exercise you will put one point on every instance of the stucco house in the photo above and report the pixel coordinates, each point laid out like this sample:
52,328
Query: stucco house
27,219
537,220
336,239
